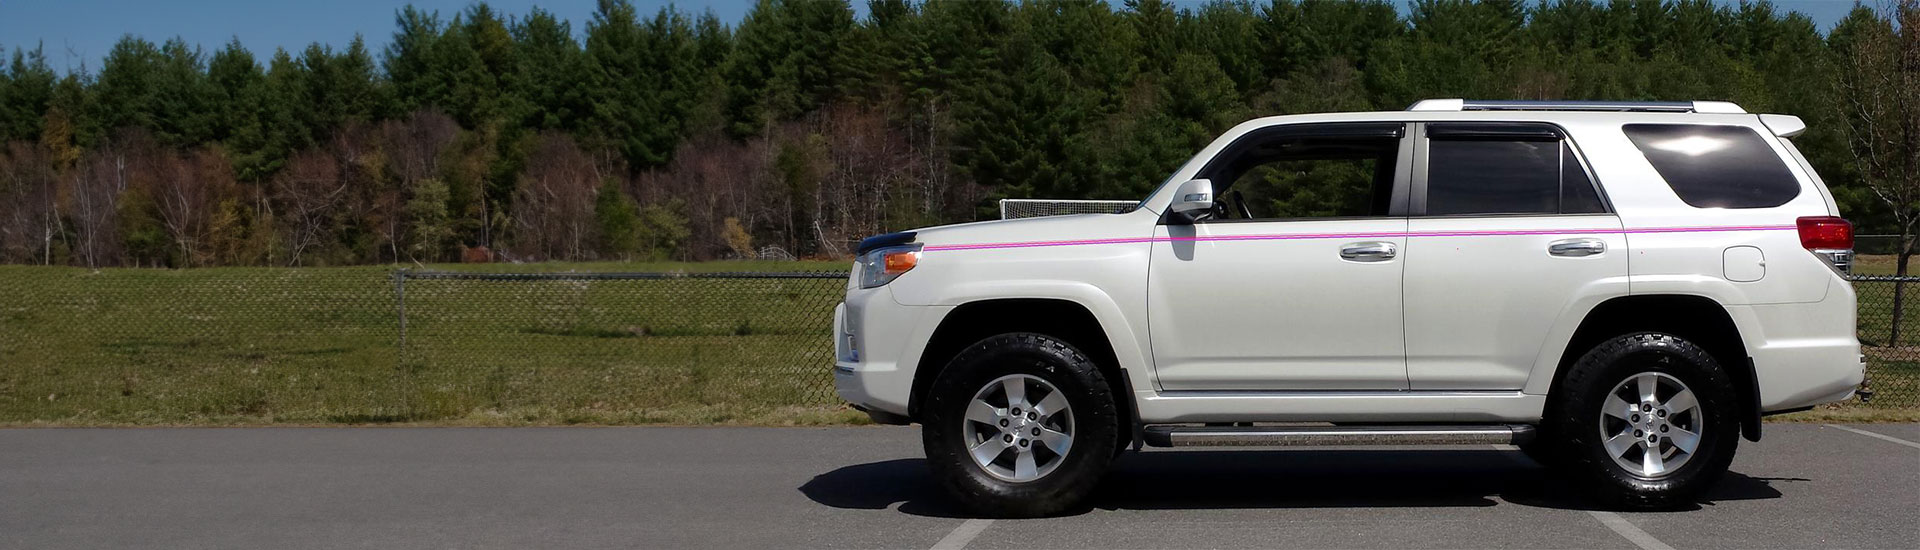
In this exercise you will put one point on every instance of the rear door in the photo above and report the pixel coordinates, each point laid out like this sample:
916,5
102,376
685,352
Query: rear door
1508,235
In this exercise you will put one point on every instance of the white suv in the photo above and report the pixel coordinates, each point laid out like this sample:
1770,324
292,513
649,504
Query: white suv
1621,289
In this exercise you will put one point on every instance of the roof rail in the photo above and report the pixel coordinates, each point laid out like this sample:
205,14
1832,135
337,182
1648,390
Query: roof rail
1718,107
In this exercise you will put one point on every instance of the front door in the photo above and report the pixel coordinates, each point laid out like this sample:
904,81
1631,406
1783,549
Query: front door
1293,282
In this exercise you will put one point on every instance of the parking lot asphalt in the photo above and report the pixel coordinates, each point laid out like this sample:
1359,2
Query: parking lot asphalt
1803,486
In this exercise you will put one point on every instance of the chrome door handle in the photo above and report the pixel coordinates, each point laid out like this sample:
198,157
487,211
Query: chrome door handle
1368,251
1577,247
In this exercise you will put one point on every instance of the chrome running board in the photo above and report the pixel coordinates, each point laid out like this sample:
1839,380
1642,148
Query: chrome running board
1296,436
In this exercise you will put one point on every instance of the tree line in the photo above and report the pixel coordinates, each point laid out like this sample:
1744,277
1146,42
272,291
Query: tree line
803,127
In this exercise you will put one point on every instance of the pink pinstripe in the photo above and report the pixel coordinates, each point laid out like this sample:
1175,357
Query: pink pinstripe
1372,235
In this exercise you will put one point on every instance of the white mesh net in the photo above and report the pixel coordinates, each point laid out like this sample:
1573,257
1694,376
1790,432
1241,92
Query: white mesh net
1034,208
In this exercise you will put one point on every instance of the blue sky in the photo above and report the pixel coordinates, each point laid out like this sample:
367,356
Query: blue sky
77,32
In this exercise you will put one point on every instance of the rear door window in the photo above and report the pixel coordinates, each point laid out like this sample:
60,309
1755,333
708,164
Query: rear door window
1711,166
1505,168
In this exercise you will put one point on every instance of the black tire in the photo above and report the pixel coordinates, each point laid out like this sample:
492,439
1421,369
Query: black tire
1066,368
1573,423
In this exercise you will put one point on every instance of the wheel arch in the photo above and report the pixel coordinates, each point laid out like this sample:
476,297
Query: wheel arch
1060,318
1698,319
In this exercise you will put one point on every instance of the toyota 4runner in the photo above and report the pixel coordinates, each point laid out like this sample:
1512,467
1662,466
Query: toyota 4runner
1620,289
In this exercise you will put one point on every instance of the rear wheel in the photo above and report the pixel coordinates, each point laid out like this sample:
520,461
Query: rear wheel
1647,420
1019,425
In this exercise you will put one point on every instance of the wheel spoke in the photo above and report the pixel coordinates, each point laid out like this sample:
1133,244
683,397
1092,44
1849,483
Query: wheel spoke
1685,440
1056,441
988,451
984,412
1054,402
1016,391
1681,402
1617,445
1651,463
1617,407
1023,466
1648,383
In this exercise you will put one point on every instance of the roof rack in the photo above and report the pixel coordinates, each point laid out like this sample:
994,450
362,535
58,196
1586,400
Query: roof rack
1718,107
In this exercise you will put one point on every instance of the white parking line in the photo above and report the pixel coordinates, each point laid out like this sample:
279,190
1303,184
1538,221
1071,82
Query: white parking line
1875,435
1627,529
1613,521
963,534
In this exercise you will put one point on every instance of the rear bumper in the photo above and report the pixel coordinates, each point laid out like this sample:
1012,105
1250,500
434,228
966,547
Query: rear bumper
1803,377
1804,354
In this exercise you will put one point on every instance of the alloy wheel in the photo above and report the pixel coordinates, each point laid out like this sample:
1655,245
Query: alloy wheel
1651,424
1018,428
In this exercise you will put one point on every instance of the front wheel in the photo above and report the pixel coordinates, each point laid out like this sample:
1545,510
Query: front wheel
1019,425
1648,420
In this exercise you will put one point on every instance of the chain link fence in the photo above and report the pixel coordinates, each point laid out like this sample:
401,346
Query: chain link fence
618,346
331,345
1890,339
150,346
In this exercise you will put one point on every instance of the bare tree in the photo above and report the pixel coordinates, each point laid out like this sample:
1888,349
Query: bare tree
29,211
719,178
309,189
1880,85
187,188
553,206
104,176
413,148
96,198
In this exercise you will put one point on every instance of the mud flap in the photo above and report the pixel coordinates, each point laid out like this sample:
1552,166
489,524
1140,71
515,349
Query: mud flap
1750,422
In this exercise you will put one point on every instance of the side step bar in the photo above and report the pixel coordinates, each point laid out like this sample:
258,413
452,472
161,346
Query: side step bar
1293,436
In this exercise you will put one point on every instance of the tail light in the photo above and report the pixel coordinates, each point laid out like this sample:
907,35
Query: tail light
1830,238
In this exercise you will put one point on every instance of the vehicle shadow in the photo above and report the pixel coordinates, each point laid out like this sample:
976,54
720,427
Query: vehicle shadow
1214,479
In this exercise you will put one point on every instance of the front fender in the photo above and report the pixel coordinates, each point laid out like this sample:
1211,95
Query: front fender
1129,340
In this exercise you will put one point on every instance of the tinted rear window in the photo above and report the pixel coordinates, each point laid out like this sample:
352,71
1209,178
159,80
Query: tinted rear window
1577,195
1716,166
1505,168
1493,177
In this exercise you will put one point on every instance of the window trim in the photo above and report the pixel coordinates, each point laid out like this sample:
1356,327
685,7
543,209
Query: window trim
1397,202
1417,207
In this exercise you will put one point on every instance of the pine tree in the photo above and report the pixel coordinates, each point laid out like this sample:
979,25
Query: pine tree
408,59
789,58
236,79
547,75
26,89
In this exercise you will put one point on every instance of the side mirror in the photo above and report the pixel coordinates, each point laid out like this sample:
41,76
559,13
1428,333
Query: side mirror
1192,199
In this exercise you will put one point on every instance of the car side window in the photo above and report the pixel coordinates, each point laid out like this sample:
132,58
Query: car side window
1716,166
1307,171
1578,195
1481,169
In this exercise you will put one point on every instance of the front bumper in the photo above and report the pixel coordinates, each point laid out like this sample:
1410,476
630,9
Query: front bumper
877,345
852,388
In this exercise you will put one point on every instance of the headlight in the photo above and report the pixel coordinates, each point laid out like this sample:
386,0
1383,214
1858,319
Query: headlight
881,266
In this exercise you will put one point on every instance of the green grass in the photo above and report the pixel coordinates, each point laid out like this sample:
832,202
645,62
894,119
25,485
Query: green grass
246,346
225,346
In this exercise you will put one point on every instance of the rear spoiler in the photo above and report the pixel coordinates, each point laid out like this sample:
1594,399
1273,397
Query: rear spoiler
1785,126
